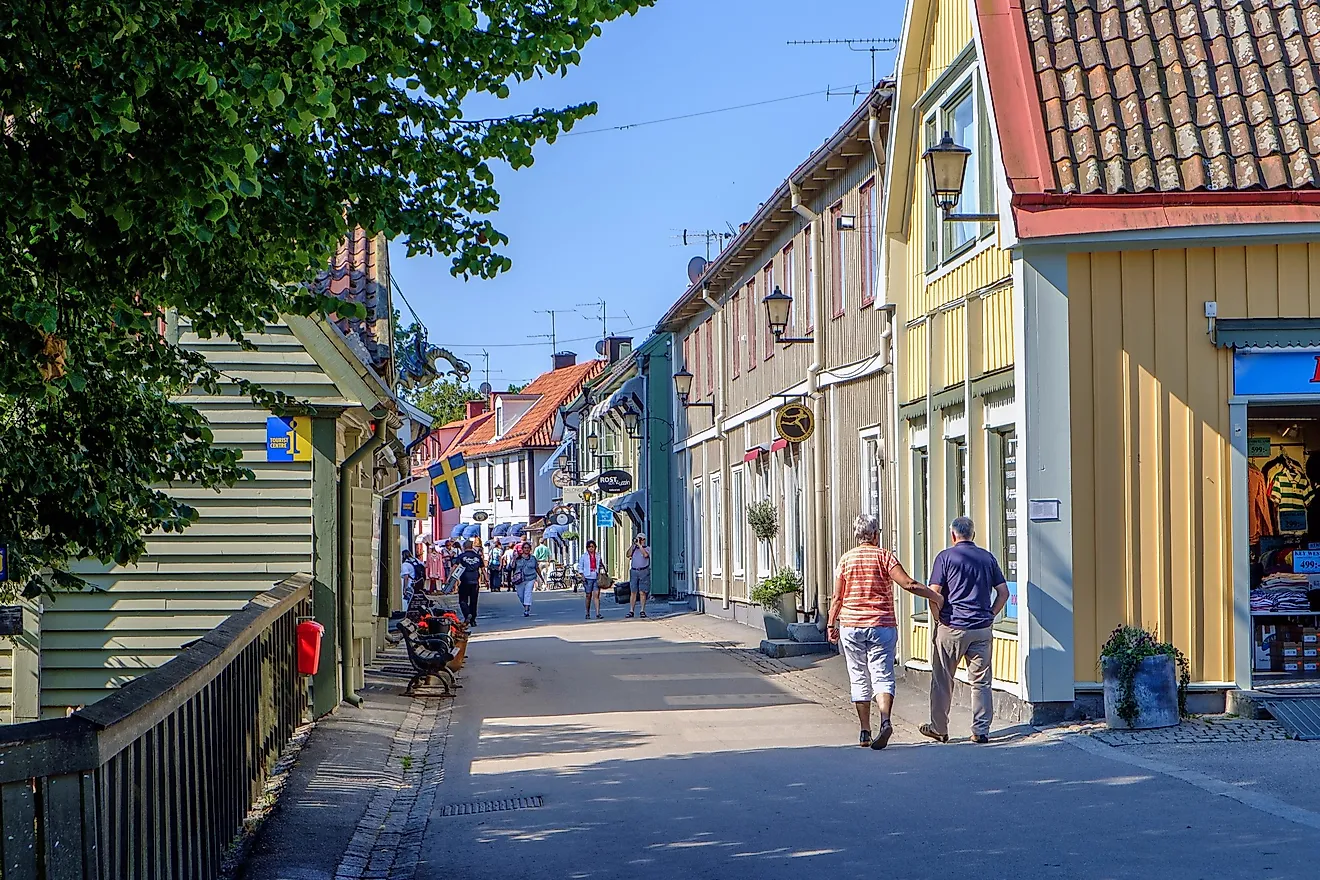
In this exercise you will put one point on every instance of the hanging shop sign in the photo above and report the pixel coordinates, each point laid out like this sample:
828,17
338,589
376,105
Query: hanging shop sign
614,482
795,423
562,519
11,620
1276,373
604,517
288,439
560,479
480,516
578,495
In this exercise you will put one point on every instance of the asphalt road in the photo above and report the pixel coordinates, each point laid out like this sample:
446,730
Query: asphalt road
660,758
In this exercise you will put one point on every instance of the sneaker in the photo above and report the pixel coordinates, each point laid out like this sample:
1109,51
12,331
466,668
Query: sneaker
527,612
927,730
588,617
600,616
886,731
980,738
864,739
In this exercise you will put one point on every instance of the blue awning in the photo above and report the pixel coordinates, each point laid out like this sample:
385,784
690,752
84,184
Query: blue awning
500,530
471,530
629,397
569,437
633,504
458,530
517,529
553,533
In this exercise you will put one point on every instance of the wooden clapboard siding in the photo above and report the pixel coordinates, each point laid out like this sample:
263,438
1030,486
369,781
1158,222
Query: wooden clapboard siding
247,537
360,550
1151,444
915,379
1003,658
954,332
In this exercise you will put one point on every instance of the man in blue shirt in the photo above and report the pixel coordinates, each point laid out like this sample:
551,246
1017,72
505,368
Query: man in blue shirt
974,593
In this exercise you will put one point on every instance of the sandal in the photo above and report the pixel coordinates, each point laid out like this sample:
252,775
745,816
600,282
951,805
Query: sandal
600,616
643,614
629,614
927,730
882,739
864,738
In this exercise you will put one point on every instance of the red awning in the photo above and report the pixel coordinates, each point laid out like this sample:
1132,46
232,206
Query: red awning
754,453
779,444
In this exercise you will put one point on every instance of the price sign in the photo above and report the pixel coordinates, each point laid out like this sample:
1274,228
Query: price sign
1306,561
1258,447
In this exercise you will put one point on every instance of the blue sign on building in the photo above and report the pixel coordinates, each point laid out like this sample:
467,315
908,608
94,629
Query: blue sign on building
604,517
4,564
288,439
1276,373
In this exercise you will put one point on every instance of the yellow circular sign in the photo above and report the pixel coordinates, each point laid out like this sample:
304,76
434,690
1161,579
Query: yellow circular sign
795,423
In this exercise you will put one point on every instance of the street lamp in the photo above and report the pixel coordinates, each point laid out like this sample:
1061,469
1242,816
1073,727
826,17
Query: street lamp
593,442
777,307
946,167
630,421
683,387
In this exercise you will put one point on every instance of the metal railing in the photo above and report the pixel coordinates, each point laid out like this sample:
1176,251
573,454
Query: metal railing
154,781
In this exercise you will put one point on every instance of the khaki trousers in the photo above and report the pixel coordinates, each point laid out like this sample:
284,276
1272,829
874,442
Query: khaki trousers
949,647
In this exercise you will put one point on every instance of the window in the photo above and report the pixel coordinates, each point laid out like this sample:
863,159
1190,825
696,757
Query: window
956,463
710,356
751,324
1003,540
788,286
522,477
768,276
698,530
871,475
738,510
794,532
490,481
838,261
921,526
716,527
735,305
764,549
963,115
867,241
505,483
809,253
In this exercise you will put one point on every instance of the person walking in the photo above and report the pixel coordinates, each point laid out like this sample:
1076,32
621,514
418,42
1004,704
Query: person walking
543,555
493,565
470,577
525,575
639,574
407,575
862,622
589,565
966,577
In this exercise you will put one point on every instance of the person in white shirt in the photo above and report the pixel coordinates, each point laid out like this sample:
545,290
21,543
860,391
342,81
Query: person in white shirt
590,566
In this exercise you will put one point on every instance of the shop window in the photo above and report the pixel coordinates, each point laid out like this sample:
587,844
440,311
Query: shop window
920,524
793,519
738,510
716,527
764,492
1003,537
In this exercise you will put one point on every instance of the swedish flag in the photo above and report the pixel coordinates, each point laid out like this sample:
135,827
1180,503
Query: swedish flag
449,480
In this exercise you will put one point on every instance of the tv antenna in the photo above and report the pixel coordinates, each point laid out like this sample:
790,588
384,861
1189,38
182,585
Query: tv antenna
604,318
869,44
690,236
554,339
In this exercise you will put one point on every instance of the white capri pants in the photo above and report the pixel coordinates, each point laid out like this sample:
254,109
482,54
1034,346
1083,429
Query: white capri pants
869,653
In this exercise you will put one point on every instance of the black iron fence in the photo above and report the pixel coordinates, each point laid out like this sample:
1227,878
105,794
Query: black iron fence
154,780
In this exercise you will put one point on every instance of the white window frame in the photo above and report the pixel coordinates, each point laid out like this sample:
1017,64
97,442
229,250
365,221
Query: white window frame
738,512
716,526
696,533
864,461
981,166
795,537
765,485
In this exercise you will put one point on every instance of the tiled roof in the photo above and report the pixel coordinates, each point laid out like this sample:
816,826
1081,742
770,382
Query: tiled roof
357,276
536,427
1168,96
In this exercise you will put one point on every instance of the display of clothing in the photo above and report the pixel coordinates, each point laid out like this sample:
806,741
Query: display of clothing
1261,516
1291,491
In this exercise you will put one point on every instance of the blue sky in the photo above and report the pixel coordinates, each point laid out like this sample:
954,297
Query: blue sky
596,217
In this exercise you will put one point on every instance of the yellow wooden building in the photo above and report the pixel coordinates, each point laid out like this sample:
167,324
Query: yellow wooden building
1088,371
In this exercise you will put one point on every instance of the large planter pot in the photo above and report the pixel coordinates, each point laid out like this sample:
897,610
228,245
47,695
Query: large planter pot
1155,687
787,609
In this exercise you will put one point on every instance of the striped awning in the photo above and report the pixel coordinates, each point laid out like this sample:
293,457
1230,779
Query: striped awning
569,437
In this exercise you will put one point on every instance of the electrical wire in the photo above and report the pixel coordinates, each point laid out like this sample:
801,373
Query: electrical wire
828,92
477,346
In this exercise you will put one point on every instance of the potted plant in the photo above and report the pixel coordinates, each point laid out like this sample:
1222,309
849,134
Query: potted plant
763,517
1145,680
777,595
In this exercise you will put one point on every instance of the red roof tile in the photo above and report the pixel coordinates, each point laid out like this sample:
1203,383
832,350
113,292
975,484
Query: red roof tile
1149,95
536,428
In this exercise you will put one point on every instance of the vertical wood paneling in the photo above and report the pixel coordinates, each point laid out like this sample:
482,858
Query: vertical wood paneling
953,324
915,382
1294,281
1082,400
1262,265
1175,594
997,330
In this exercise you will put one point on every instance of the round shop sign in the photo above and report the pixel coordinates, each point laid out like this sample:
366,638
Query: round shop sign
560,479
795,423
481,516
614,482
562,519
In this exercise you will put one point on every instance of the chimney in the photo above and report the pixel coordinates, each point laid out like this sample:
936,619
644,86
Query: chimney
564,359
475,408
618,347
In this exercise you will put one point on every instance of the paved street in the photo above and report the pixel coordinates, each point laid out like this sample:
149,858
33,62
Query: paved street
625,748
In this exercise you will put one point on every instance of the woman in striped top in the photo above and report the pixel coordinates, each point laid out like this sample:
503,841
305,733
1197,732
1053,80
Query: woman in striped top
863,623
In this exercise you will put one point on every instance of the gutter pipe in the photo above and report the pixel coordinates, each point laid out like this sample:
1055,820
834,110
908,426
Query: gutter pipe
376,440
726,564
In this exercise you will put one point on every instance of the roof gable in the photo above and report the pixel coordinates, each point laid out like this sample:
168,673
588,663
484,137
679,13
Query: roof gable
536,427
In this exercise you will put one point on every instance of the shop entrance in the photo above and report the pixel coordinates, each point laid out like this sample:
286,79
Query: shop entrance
1283,494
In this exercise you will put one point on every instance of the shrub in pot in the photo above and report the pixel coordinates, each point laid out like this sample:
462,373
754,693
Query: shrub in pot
1145,680
777,595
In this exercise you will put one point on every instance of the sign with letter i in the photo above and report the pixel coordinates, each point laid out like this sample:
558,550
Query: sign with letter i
289,439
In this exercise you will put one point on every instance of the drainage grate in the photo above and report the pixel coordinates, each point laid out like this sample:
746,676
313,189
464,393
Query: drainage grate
501,806
1300,715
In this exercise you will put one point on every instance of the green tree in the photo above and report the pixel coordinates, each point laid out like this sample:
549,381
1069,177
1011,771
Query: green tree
203,159
516,388
443,399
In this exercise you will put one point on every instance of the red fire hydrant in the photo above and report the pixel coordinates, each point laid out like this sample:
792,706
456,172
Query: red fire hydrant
309,647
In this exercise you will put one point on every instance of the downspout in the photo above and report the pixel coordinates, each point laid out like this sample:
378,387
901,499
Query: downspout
373,443
821,525
888,393
726,564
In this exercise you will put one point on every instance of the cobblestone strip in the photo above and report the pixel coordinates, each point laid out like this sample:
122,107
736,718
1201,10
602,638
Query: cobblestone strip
801,683
1192,731
388,840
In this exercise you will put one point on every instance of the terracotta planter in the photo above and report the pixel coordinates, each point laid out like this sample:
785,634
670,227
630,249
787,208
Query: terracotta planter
1155,687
